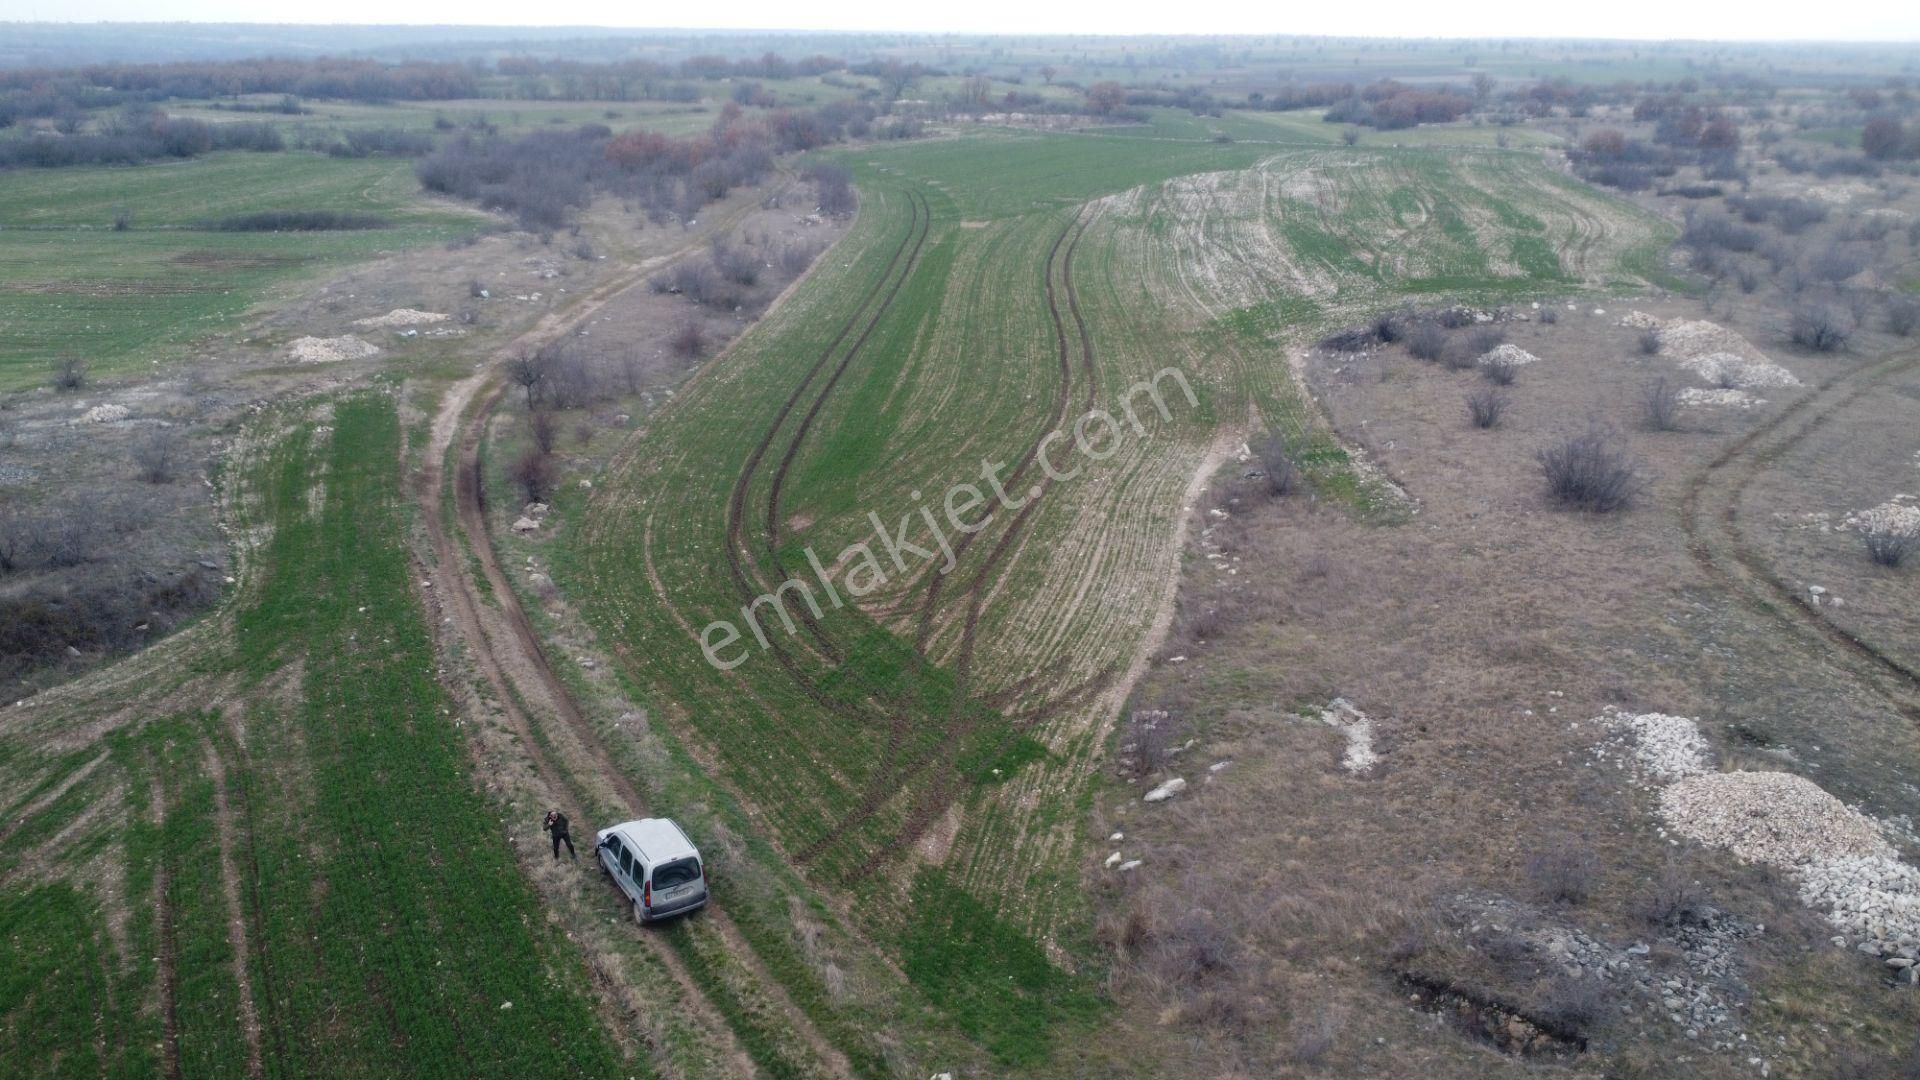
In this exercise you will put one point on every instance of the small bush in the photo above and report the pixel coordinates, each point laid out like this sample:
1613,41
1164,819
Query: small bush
690,340
1549,316
477,289
795,258
544,429
1660,404
534,472
1282,475
1563,874
1889,547
69,372
737,265
1388,329
1590,472
1427,341
1649,342
1674,899
1820,328
157,457
1485,340
1486,407
1454,318
1352,339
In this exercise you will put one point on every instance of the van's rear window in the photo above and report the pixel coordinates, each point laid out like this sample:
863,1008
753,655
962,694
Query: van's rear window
676,873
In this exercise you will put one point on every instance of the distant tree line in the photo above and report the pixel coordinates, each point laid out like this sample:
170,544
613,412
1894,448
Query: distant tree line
142,134
542,177
353,80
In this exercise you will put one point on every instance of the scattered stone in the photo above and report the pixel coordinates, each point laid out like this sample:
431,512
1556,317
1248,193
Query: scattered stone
525,524
1113,860
401,317
316,350
104,414
1166,790
1357,726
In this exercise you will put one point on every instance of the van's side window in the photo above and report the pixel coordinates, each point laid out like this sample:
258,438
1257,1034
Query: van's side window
626,861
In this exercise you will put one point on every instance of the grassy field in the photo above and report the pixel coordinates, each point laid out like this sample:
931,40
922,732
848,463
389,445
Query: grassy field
128,301
926,748
299,872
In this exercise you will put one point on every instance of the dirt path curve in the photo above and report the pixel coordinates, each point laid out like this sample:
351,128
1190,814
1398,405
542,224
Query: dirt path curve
1710,514
505,647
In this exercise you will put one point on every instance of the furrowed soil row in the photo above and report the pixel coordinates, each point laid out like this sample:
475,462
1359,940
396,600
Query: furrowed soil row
1710,516
231,883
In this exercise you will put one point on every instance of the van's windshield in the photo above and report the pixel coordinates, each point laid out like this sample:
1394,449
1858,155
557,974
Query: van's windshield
674,873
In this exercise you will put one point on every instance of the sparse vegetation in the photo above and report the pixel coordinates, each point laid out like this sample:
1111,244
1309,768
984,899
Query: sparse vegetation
1591,472
1486,407
1660,405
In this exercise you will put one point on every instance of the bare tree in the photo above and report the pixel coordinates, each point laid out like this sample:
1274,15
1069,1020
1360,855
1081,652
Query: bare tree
1350,136
527,373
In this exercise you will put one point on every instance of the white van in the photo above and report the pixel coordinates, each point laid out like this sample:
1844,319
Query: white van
655,864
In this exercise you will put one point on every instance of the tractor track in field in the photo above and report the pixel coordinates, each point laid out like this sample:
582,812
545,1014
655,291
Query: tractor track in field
167,966
508,654
1710,515
230,885
893,776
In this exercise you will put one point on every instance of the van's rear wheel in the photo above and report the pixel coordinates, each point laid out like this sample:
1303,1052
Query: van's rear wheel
638,915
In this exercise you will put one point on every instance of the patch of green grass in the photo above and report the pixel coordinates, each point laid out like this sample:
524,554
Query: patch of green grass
136,300
995,982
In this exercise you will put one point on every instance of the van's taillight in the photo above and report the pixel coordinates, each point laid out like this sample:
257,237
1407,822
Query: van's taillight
646,895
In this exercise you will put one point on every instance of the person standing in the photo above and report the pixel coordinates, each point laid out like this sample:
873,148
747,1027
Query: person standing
556,826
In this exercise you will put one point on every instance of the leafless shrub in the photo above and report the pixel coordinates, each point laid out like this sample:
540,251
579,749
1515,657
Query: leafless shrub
1563,873
1486,406
1590,472
1889,546
122,219
467,315
1127,932
1427,341
1903,316
1500,374
1281,474
690,339
796,257
535,474
1674,898
1660,405
157,456
69,372
1314,1033
476,289
1549,316
1572,1007
1196,949
1455,318
1485,340
1649,341
543,428
582,250
737,265
1820,328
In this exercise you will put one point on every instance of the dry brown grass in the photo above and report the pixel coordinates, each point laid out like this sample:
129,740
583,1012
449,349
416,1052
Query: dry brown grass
1474,638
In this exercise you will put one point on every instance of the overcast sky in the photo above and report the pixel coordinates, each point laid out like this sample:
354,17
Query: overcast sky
1860,20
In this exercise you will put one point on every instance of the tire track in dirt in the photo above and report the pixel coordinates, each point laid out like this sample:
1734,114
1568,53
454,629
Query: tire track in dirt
230,883
507,651
1710,517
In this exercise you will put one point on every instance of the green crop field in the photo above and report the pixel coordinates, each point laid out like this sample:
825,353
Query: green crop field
131,300
923,741
305,878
